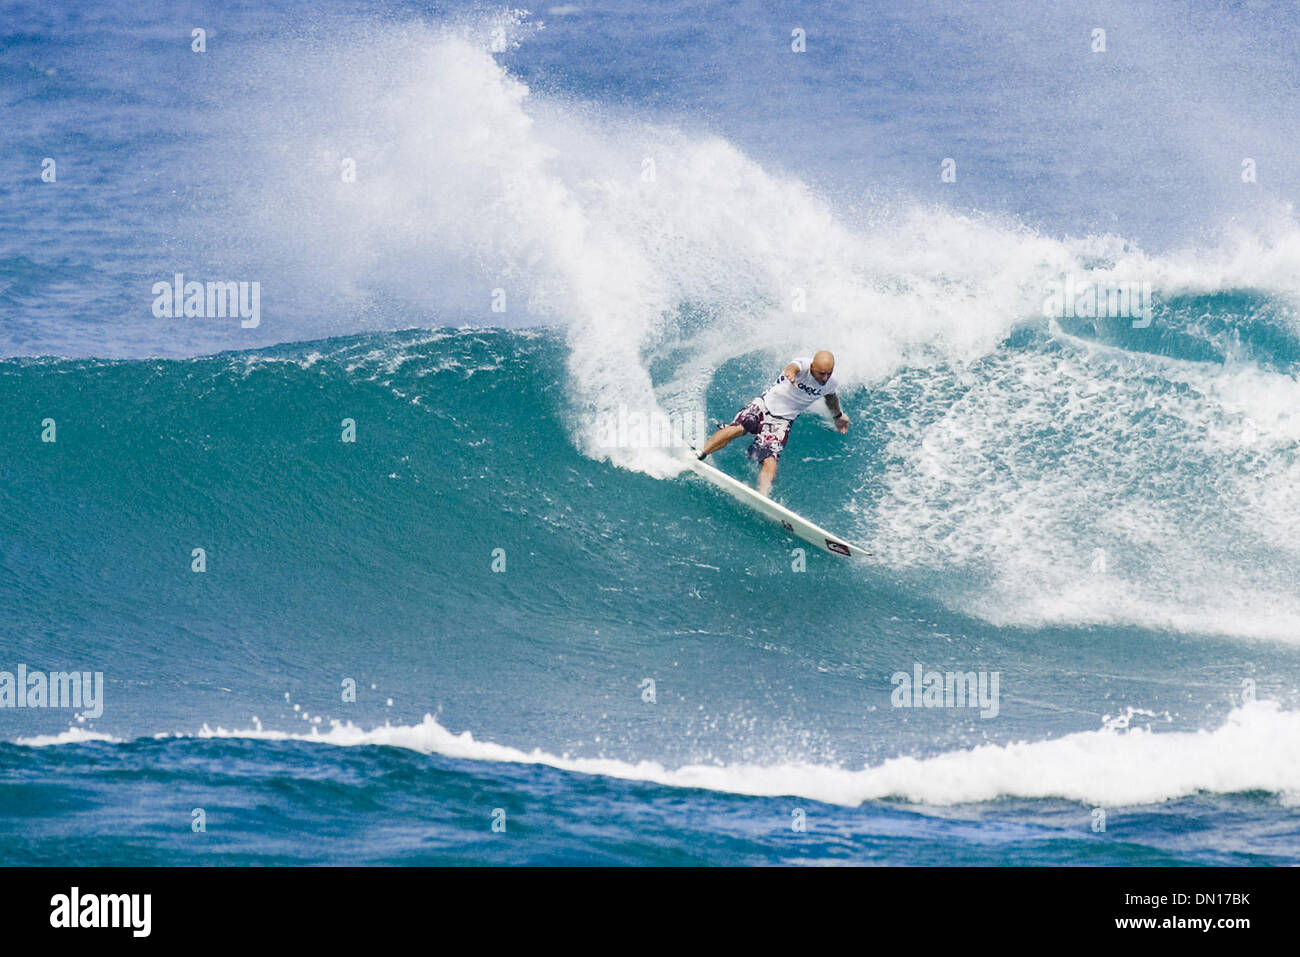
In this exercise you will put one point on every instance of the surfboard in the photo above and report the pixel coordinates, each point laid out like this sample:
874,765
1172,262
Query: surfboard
793,523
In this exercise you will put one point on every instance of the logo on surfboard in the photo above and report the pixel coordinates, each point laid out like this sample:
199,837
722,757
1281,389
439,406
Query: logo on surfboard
839,548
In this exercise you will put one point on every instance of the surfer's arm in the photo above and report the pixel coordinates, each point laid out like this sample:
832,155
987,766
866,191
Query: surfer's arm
841,420
792,373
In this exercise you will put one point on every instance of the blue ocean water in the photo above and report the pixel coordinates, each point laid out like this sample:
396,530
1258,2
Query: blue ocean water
455,608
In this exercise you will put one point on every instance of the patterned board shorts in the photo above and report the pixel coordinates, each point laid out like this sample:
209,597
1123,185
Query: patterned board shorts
770,432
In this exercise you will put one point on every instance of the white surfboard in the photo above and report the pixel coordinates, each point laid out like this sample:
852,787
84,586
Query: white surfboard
796,525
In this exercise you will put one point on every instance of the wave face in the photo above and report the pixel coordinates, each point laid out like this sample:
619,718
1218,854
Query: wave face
439,558
372,563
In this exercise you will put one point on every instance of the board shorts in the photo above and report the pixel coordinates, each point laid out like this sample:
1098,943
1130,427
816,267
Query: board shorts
770,432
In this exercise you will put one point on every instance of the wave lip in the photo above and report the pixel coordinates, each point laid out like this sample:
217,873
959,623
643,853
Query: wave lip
1257,748
73,735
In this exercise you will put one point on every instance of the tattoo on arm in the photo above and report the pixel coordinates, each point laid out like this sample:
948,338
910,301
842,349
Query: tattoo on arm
833,403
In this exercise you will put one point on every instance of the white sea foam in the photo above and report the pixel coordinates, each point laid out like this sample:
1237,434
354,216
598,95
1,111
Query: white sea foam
643,239
614,226
1256,748
1091,485
1129,760
73,735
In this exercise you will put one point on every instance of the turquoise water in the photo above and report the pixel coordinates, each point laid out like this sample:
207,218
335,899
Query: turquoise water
433,595
372,561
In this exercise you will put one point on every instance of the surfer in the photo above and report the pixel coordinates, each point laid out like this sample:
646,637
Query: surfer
769,417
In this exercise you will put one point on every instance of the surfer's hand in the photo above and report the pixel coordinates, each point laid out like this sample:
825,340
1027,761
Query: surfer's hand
842,423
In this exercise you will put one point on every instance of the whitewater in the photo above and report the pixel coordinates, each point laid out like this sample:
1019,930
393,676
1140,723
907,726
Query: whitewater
470,591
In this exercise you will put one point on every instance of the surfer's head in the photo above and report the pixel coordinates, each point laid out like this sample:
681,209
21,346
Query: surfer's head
823,364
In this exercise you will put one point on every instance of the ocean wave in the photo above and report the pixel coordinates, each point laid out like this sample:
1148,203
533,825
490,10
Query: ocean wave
1126,762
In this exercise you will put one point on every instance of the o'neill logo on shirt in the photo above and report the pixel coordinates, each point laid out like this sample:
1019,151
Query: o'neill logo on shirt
806,388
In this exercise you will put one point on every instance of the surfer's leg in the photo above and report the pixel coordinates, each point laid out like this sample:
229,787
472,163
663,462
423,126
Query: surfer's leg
749,419
767,449
720,438
766,474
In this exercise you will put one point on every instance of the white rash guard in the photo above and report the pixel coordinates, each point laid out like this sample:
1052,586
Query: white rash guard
791,401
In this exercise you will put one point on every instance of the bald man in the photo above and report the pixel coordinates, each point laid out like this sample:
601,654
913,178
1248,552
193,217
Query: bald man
769,417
